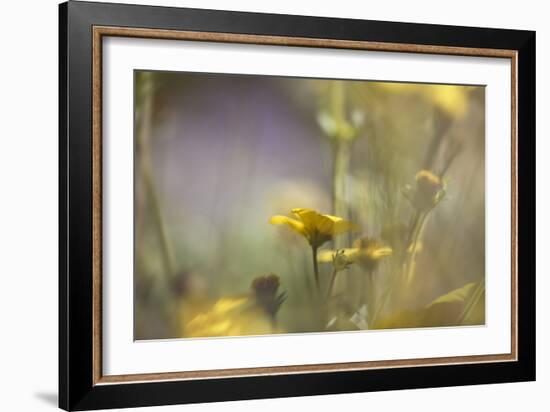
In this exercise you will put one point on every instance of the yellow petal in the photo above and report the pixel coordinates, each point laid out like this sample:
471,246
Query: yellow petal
334,225
382,252
452,99
326,255
230,316
342,226
308,216
225,305
428,178
293,223
299,210
325,225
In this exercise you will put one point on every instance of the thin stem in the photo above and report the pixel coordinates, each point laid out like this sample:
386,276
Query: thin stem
371,303
148,178
341,150
145,116
408,266
342,155
411,266
331,285
316,267
383,301
166,247
412,231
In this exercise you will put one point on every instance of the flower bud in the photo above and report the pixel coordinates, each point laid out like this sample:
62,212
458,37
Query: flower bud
265,289
428,192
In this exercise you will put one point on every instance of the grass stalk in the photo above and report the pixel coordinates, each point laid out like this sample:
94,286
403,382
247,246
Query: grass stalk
472,302
416,238
331,284
146,171
407,274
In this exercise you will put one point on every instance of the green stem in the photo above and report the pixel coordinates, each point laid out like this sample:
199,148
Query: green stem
382,303
417,236
342,155
331,285
408,266
166,249
341,163
371,298
148,178
412,231
316,267
145,118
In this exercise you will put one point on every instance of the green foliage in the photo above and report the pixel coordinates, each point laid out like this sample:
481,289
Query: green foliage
462,306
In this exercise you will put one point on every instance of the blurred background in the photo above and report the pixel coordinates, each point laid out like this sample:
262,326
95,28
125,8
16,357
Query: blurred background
218,155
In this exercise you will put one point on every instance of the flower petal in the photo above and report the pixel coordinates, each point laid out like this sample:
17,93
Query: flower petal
338,225
326,255
308,216
324,225
381,252
293,223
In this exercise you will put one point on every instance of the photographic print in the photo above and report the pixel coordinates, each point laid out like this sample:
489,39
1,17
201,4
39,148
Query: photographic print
338,204
279,205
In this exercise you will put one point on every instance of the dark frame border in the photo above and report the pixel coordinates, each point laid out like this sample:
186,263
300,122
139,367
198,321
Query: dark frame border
77,387
100,32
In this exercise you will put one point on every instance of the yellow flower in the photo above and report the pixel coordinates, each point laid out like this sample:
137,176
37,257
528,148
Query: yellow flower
315,227
229,316
247,314
451,99
367,253
340,130
428,192
371,251
339,257
340,261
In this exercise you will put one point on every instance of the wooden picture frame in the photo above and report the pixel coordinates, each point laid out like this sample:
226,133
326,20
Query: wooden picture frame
82,384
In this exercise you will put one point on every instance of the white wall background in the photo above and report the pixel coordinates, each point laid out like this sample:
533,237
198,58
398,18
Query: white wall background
28,203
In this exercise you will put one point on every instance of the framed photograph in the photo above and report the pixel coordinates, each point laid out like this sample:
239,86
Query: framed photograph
257,205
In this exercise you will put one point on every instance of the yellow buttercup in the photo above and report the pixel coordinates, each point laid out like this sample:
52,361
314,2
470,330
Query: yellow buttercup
367,253
314,226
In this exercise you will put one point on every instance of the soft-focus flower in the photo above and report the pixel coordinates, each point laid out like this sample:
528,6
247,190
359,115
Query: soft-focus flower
451,99
264,290
428,191
342,129
366,252
339,258
247,314
230,316
315,227
371,252
340,261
